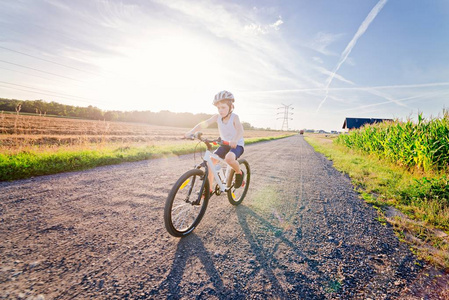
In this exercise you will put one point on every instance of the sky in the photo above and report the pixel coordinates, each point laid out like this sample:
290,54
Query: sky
317,61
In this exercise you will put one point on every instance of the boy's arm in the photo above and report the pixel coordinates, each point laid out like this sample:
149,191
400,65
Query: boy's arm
201,125
239,127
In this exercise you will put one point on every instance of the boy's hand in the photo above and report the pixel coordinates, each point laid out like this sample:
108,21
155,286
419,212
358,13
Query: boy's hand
233,144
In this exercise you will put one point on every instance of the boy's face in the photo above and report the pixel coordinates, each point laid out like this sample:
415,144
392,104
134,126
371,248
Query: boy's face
223,109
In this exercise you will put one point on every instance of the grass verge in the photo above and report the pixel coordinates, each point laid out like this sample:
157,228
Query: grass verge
29,163
415,204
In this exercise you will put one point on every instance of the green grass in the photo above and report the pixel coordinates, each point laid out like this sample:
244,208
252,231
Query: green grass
31,163
421,196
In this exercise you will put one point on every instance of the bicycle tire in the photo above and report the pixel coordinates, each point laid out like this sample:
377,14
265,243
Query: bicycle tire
181,215
236,196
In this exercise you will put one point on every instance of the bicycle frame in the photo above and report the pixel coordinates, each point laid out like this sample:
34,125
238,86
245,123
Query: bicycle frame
184,208
211,168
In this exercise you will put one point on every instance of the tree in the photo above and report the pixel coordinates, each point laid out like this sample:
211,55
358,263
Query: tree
111,116
164,118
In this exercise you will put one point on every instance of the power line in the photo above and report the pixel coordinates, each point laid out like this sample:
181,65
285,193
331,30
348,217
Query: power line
286,117
40,70
34,88
46,92
34,75
50,61
40,93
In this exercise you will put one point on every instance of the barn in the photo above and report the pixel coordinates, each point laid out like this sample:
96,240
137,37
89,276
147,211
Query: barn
355,123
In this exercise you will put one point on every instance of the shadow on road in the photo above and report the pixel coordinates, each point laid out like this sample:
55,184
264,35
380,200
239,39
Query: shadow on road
188,247
266,258
281,265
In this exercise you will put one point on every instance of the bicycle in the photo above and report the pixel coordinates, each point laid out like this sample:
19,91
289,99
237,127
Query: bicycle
188,199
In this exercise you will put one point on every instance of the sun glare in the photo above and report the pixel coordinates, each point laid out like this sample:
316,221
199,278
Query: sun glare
168,68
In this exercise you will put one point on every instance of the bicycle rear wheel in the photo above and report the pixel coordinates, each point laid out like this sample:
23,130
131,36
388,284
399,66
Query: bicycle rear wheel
185,205
236,196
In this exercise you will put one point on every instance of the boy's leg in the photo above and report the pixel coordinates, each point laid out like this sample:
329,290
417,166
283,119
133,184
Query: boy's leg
232,156
232,161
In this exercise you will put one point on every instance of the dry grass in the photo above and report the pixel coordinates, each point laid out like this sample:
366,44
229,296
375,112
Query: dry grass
420,223
40,145
19,133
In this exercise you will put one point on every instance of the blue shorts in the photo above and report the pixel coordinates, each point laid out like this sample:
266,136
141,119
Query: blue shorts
224,149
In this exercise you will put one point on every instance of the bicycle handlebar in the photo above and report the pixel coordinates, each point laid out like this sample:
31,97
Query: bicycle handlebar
198,135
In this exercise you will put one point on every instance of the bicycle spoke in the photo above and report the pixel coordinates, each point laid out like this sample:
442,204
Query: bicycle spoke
183,210
236,195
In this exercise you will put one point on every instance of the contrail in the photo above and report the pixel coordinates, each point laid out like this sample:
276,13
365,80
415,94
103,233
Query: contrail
422,96
356,88
344,55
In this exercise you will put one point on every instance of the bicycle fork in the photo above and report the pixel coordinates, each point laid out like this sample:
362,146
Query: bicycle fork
204,178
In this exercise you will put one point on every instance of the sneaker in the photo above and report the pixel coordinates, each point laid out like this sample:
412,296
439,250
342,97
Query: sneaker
239,180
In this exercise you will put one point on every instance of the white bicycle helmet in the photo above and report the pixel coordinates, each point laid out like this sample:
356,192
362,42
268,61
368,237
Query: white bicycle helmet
223,95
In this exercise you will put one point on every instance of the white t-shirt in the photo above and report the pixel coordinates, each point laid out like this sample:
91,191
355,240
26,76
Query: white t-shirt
228,131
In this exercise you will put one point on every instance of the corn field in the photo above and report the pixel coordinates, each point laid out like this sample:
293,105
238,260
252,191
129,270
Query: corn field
423,145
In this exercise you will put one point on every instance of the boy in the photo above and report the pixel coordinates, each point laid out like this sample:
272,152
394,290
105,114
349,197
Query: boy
230,130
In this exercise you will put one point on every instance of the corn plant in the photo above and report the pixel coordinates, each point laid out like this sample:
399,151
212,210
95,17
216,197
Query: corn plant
423,144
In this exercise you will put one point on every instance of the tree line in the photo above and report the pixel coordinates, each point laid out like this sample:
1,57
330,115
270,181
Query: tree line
164,118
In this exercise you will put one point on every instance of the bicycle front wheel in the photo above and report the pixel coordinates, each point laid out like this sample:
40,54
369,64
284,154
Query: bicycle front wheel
186,203
235,196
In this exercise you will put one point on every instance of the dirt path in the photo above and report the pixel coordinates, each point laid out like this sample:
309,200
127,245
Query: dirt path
301,233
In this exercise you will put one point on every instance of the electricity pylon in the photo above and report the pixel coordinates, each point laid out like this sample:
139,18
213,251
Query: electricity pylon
287,115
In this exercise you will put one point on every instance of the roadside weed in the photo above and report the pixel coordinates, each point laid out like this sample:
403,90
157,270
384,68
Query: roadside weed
421,196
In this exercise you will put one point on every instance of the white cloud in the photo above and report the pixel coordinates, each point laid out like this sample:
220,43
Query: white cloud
276,25
322,41
264,29
144,50
318,59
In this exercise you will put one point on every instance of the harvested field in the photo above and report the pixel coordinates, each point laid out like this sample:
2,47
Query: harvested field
21,131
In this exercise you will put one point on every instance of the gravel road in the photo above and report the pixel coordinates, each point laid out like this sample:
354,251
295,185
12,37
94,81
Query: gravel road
301,233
